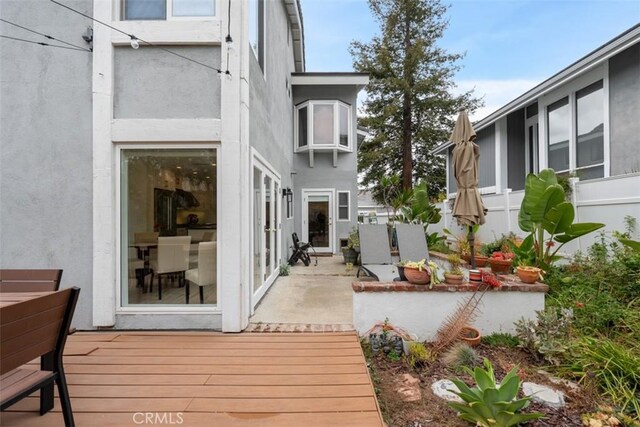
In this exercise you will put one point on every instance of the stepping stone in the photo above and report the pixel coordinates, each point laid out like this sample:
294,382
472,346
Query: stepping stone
441,389
543,394
409,388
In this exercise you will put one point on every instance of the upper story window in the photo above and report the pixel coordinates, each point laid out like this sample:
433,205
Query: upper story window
323,125
167,9
576,132
257,30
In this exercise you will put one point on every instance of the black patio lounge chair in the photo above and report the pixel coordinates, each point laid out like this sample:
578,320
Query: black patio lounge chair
375,253
300,251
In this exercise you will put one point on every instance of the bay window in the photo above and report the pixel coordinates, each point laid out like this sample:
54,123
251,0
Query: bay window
323,125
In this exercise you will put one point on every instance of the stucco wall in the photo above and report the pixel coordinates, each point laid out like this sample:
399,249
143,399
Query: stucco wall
624,105
270,116
45,147
151,83
422,313
323,174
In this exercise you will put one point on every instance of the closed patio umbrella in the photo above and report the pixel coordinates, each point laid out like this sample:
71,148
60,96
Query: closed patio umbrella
468,208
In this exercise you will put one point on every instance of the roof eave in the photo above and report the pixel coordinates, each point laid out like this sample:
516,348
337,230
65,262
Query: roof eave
297,32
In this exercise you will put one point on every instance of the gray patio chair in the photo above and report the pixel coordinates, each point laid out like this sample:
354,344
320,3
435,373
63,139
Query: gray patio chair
412,242
375,254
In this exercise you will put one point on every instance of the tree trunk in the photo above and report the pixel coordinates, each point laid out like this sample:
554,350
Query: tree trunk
407,158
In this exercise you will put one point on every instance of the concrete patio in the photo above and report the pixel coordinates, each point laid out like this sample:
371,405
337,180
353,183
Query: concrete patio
316,295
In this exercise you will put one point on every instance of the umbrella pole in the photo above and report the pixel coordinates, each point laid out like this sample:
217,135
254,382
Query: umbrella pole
471,238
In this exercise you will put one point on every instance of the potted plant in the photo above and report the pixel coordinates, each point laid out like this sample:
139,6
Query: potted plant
501,262
470,335
421,272
454,275
417,273
528,273
352,250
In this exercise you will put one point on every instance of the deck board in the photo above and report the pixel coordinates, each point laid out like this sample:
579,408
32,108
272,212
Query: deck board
207,378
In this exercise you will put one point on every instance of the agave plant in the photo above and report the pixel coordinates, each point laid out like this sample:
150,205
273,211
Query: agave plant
549,218
490,404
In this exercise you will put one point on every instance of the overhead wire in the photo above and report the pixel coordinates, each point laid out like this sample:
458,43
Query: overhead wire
43,43
133,37
45,35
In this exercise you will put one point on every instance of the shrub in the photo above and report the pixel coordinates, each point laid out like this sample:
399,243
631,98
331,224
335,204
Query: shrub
285,269
615,369
501,340
548,336
419,355
490,404
461,355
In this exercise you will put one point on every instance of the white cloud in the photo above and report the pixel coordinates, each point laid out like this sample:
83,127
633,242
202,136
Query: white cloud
496,93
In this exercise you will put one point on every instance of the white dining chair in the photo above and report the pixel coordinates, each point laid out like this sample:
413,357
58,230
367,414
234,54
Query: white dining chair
173,258
205,273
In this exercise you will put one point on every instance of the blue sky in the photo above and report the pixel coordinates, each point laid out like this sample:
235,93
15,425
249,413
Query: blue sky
510,45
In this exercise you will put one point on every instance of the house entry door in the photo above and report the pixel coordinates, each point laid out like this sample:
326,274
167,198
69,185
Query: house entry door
266,230
317,219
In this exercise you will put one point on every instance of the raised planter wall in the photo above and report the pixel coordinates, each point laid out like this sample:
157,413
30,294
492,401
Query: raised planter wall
420,310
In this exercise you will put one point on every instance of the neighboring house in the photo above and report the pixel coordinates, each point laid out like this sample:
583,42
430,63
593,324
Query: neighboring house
584,122
370,211
99,149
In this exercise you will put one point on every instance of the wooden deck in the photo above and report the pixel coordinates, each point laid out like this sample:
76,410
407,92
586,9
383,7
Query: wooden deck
211,379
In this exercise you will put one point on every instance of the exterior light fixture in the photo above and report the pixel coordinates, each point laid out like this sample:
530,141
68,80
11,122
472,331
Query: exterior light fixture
134,41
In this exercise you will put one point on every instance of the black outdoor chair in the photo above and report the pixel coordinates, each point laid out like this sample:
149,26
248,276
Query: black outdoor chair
300,251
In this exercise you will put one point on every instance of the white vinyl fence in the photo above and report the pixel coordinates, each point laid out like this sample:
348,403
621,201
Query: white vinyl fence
605,200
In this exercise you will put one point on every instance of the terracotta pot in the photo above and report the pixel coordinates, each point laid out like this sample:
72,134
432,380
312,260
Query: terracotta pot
481,261
475,276
528,274
417,277
470,335
453,279
499,265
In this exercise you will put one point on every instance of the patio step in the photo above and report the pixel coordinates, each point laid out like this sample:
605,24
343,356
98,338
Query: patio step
298,327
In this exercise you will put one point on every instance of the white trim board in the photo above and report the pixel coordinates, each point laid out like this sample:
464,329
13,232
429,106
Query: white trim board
159,130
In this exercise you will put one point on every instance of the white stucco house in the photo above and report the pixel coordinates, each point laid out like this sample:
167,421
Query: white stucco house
189,123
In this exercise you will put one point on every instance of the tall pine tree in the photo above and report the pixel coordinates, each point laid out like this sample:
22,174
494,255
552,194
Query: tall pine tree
409,107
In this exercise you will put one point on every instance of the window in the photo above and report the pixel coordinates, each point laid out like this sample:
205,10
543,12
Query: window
578,148
168,212
559,120
343,206
256,29
590,131
167,9
323,125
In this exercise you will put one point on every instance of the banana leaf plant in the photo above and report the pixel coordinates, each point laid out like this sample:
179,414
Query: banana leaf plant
418,209
633,244
548,217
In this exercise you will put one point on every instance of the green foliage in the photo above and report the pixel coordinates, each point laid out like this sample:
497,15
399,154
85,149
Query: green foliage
548,336
501,244
603,288
501,340
454,263
393,355
285,269
489,404
440,245
419,355
434,240
353,241
615,368
419,209
548,218
410,103
461,355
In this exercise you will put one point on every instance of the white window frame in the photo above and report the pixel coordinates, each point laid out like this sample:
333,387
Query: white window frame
336,126
348,206
159,308
262,36
570,90
169,14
